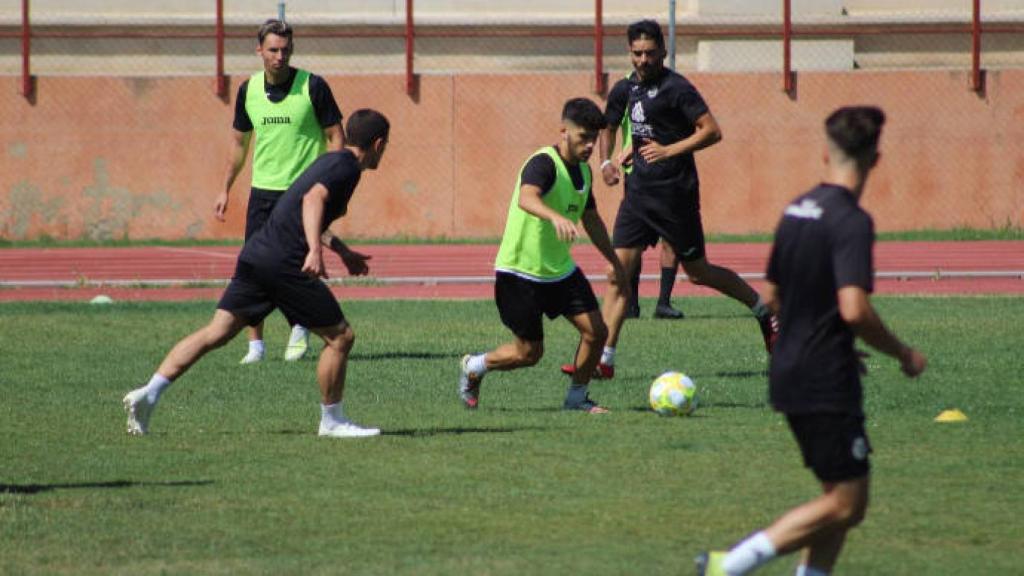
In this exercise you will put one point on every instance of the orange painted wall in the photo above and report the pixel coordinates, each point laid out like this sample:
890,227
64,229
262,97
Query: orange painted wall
144,158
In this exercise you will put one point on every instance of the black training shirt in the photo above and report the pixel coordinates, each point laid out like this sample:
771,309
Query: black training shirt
540,172
281,242
823,243
326,109
664,109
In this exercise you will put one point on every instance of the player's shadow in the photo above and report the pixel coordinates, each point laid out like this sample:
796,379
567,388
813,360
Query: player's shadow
456,431
37,488
734,374
401,356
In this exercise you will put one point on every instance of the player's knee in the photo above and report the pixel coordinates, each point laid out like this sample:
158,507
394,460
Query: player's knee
530,353
847,512
214,337
341,341
598,334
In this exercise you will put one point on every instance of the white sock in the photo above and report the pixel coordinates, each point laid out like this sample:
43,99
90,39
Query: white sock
298,333
331,415
608,356
749,554
477,364
155,387
256,346
760,309
805,570
577,393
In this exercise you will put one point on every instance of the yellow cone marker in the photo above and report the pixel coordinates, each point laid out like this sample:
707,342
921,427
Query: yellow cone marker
953,415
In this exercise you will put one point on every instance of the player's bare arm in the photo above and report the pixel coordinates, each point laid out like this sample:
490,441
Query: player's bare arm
239,151
334,136
625,155
313,204
856,310
609,171
531,201
598,233
355,262
707,134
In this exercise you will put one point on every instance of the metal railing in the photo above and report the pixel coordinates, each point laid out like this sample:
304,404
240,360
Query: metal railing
787,32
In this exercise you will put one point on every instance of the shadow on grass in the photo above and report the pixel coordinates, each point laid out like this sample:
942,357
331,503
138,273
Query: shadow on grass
402,356
37,488
732,374
455,431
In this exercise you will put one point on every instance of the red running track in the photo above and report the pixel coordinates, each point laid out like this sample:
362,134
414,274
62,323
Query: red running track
465,270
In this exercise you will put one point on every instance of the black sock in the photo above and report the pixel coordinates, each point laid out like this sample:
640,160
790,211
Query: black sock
634,300
668,278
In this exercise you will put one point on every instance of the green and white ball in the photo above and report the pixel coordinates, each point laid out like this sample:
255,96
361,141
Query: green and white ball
673,394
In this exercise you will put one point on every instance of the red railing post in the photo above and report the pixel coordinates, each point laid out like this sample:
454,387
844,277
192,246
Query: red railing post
787,39
221,84
410,42
976,47
26,49
599,84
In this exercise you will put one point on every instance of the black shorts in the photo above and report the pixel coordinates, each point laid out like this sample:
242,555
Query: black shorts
261,204
521,302
654,212
255,291
834,445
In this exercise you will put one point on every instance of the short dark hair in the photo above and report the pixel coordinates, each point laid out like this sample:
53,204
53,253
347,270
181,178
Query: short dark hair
648,28
584,113
364,126
274,26
855,129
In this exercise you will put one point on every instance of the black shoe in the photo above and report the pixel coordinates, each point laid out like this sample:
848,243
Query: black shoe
667,312
633,311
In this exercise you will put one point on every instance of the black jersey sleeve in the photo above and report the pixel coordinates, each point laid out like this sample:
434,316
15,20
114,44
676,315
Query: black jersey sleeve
618,101
327,112
242,122
690,102
540,172
852,244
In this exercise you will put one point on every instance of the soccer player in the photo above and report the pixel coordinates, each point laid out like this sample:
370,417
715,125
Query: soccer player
280,267
535,274
670,121
820,275
667,258
295,119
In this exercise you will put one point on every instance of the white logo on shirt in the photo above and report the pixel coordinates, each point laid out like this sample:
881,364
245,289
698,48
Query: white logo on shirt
806,209
652,92
859,449
637,115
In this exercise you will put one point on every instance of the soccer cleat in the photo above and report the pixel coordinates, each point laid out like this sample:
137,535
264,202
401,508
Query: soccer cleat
347,429
297,346
769,331
469,385
586,405
633,311
710,564
251,357
601,372
139,409
667,312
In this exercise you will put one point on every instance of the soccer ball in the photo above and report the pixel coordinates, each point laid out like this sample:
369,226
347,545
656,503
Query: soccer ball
673,394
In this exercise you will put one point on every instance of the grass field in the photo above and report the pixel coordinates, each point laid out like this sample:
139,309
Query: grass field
1005,232
234,480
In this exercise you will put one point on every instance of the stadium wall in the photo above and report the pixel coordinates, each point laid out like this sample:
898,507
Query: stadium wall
108,158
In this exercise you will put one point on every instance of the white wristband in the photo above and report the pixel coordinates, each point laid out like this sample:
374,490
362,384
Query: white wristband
605,163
